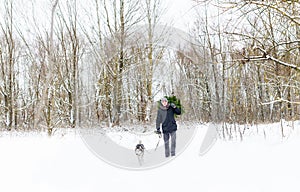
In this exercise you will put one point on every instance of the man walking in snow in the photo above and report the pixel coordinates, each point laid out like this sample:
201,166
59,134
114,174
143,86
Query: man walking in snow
165,116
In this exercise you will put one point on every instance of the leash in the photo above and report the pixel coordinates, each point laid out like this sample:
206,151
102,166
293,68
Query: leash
159,136
142,134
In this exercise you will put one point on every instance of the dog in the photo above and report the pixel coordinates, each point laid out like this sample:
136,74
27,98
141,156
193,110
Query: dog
139,151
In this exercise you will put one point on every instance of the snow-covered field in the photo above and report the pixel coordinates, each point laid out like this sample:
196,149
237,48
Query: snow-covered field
262,162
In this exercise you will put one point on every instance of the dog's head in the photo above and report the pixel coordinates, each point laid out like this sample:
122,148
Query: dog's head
139,152
139,148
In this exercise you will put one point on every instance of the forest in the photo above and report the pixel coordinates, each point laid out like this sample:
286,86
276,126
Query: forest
107,62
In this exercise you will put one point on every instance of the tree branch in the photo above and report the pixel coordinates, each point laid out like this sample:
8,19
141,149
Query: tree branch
266,56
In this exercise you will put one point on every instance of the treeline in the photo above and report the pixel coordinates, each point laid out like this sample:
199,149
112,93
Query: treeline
108,64
245,65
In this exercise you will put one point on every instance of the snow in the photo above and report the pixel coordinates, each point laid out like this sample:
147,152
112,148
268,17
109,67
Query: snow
116,145
35,162
130,139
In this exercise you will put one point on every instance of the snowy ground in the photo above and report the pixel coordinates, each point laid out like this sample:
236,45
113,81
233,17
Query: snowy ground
34,162
116,145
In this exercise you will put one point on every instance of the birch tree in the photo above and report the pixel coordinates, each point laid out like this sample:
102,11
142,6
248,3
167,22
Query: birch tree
67,66
275,47
153,10
8,63
45,104
117,25
258,48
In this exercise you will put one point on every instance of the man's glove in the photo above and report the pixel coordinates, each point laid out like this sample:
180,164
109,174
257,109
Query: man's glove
158,132
173,105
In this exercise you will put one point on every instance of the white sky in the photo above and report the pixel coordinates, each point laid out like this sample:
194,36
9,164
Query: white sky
180,13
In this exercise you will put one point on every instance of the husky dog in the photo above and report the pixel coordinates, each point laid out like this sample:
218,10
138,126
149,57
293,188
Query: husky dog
139,151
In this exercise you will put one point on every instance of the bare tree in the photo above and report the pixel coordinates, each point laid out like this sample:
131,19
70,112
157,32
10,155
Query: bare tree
67,65
251,61
8,59
45,105
118,26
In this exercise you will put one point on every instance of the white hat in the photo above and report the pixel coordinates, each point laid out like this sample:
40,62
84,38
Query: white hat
164,99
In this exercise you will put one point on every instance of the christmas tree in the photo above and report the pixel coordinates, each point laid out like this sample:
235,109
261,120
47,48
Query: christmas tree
175,100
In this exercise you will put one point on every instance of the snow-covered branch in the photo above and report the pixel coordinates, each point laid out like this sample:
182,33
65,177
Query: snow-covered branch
267,56
270,4
280,100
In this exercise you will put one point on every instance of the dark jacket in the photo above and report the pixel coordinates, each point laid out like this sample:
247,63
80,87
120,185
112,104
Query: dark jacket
165,116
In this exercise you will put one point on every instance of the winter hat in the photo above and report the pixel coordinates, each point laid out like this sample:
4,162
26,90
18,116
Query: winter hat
164,99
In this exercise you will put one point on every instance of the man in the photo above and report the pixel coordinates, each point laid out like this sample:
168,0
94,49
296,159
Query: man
165,116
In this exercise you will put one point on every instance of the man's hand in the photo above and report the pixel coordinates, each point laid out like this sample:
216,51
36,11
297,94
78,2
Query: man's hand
173,105
159,133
